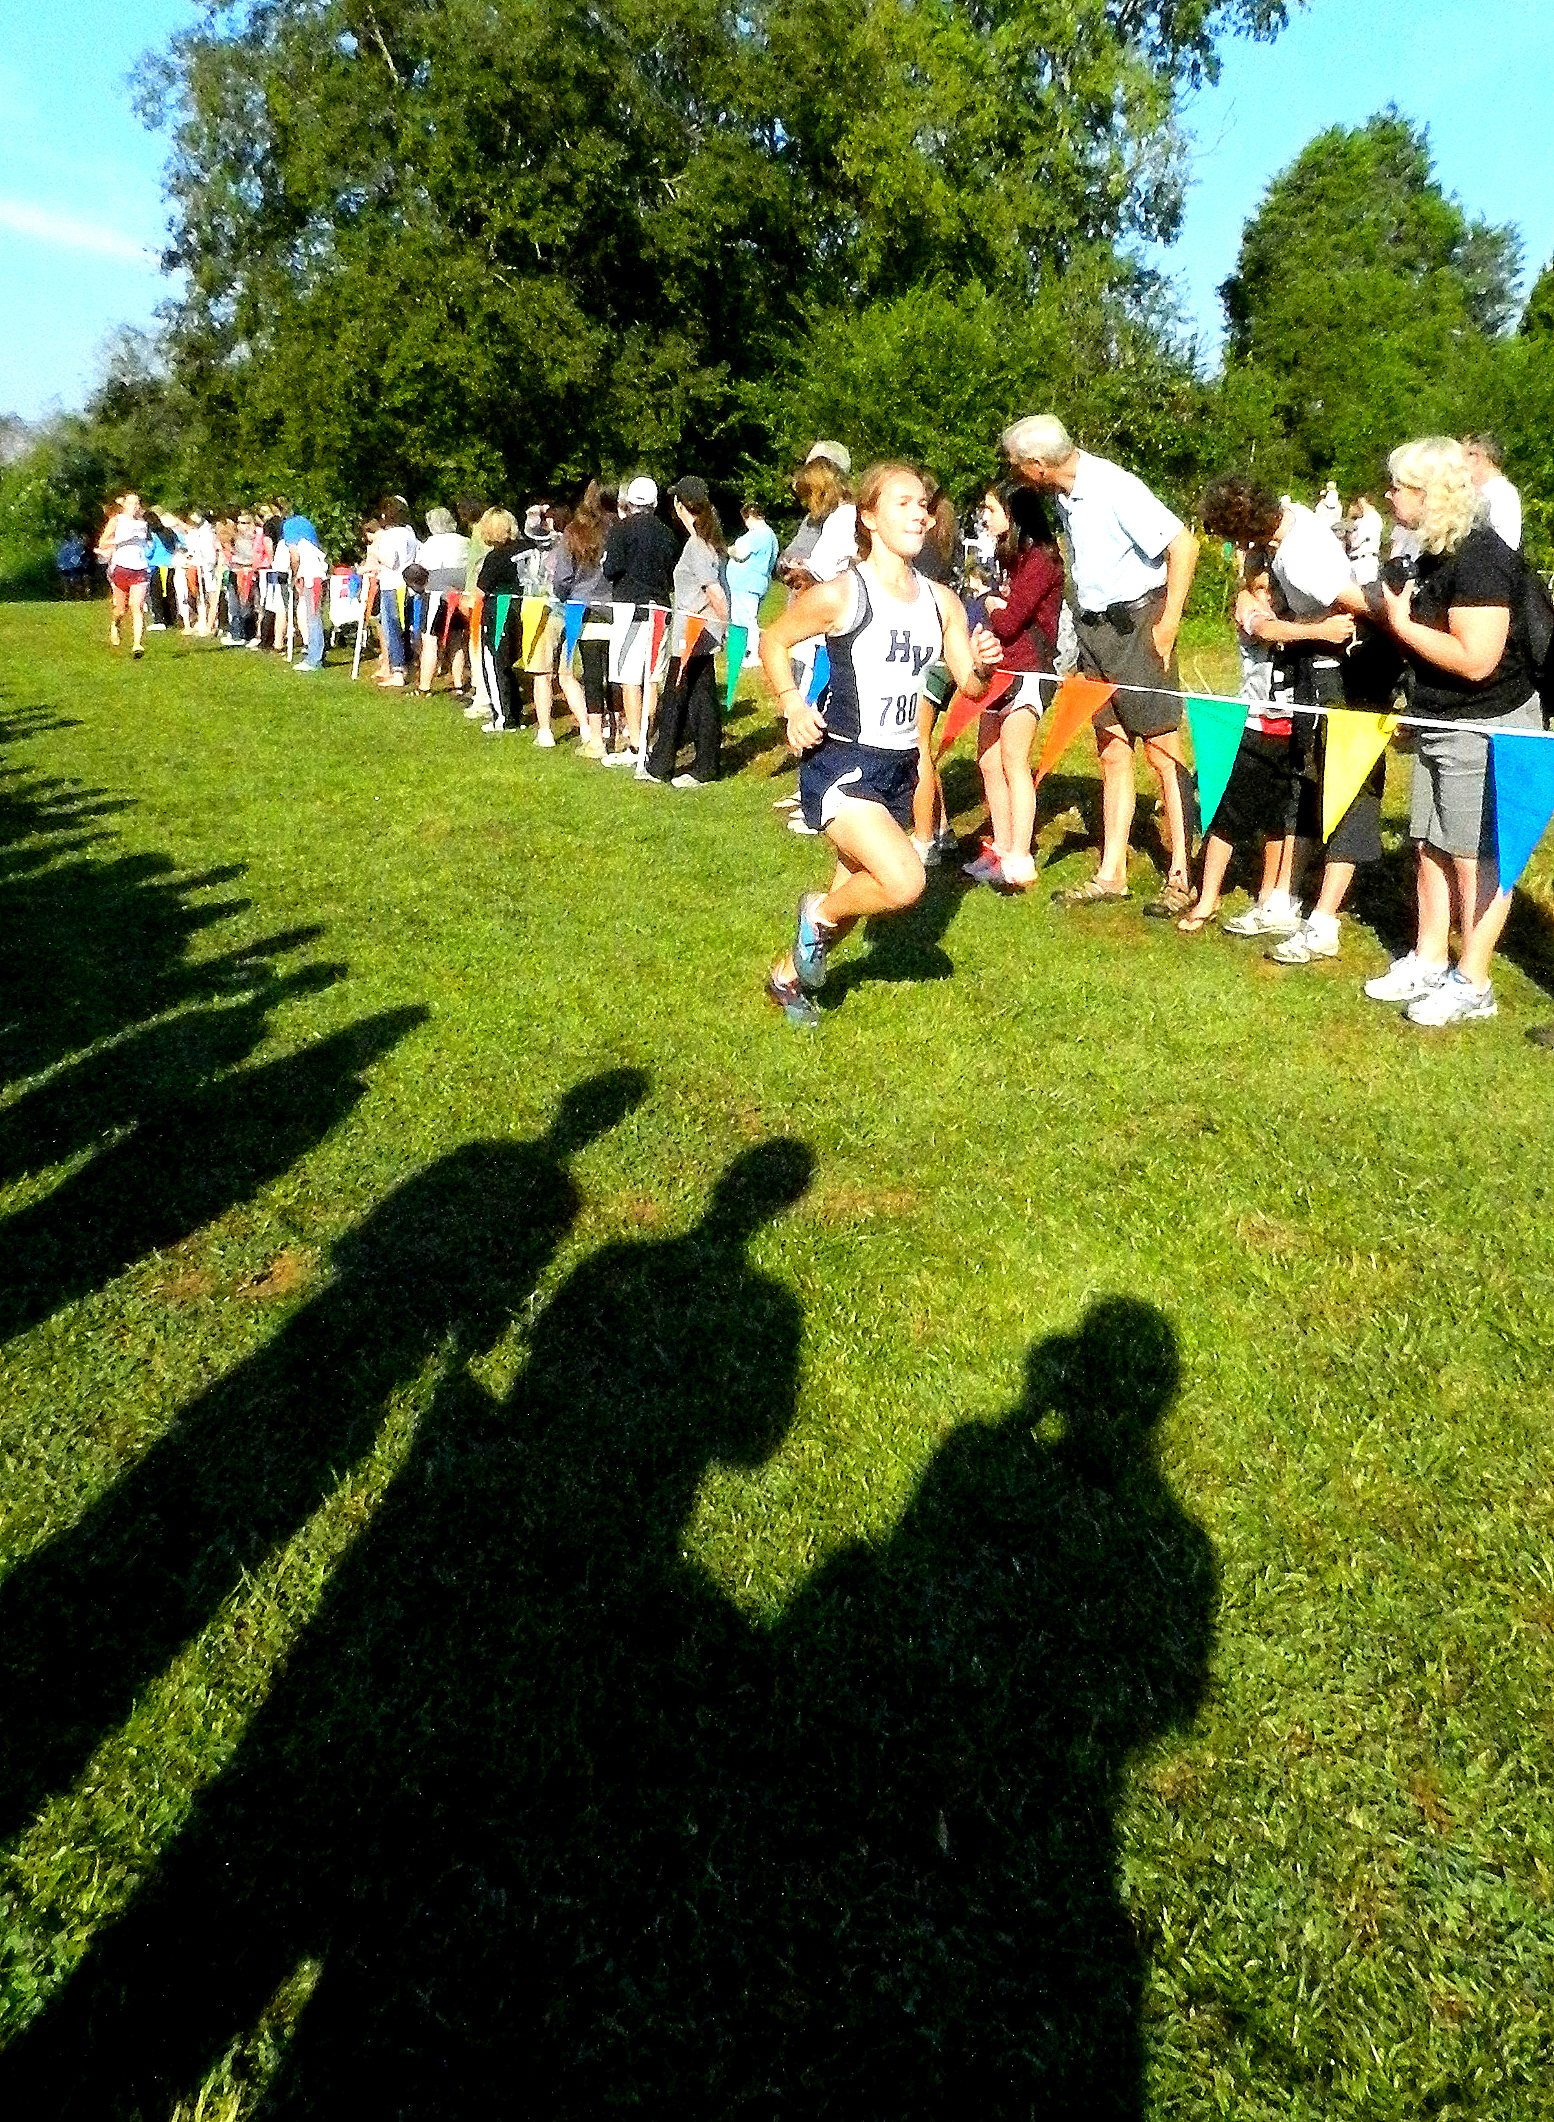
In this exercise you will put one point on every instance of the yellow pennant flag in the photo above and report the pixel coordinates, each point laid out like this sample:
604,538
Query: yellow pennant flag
531,618
1355,741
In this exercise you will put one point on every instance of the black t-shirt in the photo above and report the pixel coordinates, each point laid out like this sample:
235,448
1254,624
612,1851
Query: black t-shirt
1483,571
499,574
639,558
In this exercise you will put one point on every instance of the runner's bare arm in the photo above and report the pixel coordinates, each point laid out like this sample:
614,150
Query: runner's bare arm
817,611
972,658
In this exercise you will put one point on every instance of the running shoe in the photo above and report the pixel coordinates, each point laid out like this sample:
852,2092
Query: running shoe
947,840
1305,947
688,781
624,758
544,740
1016,873
927,852
1405,980
808,832
498,729
791,999
1453,1001
810,943
1263,921
137,651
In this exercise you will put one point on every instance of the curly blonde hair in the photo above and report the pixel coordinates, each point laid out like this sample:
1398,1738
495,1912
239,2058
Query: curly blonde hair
1438,466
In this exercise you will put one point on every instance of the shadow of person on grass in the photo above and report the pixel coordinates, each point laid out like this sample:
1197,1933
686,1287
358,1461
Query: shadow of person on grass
545,1822
501,1792
904,946
960,1703
442,1263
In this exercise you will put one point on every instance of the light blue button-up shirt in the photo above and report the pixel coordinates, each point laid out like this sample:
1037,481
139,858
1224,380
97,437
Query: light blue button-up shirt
1118,533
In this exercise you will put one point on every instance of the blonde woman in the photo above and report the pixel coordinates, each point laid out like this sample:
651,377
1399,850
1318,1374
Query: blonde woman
1461,625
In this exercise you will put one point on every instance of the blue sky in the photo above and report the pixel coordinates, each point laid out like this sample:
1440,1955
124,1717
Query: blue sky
81,212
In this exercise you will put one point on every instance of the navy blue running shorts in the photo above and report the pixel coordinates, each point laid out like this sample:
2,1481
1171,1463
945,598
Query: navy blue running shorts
863,771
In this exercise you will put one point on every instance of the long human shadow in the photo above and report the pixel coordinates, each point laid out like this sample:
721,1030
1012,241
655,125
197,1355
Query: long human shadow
503,1792
559,1828
441,1264
134,1046
961,1702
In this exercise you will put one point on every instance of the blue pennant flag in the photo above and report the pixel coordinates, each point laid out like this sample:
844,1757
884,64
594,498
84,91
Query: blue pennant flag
819,677
571,629
1524,797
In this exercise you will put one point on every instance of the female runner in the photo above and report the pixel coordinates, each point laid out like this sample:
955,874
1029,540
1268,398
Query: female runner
125,545
885,626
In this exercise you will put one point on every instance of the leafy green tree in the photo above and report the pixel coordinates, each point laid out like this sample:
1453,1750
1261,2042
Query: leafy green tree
434,242
1364,306
1538,316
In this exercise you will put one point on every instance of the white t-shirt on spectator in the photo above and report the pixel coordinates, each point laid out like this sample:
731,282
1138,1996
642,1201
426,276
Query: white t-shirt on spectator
837,545
394,549
1118,533
445,556
311,564
1311,567
1365,545
1505,509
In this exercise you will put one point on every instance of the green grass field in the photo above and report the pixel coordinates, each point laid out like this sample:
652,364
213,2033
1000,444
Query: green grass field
568,1549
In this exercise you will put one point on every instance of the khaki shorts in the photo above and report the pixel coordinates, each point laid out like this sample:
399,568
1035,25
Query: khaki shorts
1115,645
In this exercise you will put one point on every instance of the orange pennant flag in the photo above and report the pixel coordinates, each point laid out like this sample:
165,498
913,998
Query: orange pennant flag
660,621
962,709
476,606
694,629
1076,702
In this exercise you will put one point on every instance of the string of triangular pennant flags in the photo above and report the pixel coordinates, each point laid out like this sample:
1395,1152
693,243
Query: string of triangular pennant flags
1522,761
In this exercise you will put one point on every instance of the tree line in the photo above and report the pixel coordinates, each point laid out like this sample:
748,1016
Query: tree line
437,245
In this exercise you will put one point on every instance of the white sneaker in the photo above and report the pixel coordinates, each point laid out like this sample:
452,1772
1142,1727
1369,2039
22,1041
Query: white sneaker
1263,921
796,825
927,852
1452,1001
687,781
619,759
544,740
984,869
1304,947
1405,980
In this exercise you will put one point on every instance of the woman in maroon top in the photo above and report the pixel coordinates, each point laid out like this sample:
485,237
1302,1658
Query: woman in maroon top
1025,620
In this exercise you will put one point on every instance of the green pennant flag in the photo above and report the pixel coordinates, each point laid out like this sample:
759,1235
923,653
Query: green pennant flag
737,637
504,605
1216,738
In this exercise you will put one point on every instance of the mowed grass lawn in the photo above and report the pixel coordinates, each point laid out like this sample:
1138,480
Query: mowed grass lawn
568,1548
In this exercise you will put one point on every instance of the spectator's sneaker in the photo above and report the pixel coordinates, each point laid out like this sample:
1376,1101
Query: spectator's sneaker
621,758
808,832
791,999
927,852
688,781
947,840
499,729
984,868
1263,921
1305,947
1405,980
810,943
544,740
1016,873
1453,1001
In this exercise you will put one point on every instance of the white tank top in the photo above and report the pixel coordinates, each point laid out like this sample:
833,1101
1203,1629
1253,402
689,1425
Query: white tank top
131,537
880,659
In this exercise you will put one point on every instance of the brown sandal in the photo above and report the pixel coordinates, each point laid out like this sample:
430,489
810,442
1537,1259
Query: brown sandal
1091,893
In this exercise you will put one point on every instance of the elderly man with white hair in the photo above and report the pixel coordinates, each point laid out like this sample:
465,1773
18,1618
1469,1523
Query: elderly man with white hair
1133,562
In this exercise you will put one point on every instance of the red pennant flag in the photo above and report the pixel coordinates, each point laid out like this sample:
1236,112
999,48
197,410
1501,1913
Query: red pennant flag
962,709
316,594
660,621
245,582
1076,702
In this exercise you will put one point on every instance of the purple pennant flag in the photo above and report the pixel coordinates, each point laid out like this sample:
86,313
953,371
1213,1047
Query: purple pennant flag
1524,797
